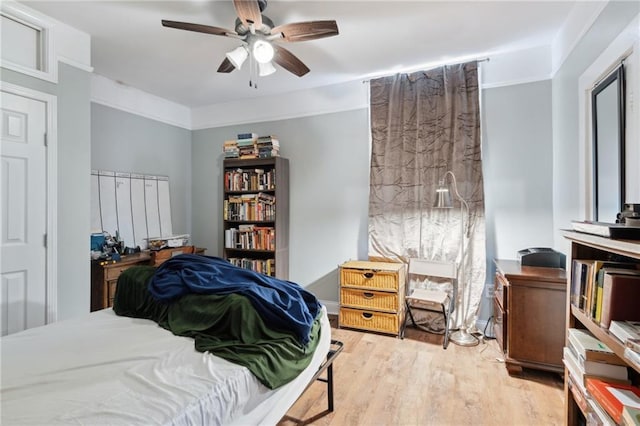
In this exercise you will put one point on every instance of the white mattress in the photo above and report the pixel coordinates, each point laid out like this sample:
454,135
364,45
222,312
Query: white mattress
105,369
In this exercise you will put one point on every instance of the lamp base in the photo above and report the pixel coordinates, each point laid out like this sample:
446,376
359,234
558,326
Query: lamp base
463,338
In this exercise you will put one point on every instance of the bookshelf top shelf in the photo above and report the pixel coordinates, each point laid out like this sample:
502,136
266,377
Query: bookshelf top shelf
622,247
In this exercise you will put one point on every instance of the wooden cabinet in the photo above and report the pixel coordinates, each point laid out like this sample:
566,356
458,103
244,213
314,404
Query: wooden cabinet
104,278
372,296
256,214
585,246
529,312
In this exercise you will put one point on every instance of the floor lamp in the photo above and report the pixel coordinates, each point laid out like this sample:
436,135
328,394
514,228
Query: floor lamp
443,201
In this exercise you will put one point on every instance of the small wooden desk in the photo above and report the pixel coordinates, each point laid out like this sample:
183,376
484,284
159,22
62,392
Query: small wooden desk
104,277
529,312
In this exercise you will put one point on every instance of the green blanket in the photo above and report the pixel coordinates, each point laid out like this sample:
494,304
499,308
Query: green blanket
227,326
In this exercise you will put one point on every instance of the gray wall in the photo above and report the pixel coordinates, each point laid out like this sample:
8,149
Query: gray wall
613,19
517,160
517,163
125,142
73,185
329,191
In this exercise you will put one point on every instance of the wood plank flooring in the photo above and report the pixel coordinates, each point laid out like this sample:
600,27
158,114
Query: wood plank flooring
382,380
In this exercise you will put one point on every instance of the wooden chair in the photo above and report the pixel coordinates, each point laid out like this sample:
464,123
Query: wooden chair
431,300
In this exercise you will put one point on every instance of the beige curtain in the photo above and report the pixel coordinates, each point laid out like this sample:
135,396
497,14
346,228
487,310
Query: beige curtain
424,124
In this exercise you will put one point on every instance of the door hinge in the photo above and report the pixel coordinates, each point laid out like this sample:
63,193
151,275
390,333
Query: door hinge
45,240
46,139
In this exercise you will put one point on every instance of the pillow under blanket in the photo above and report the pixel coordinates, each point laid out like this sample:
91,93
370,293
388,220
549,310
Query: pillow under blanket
227,326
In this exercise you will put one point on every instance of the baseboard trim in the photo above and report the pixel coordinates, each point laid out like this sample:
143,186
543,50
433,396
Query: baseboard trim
332,307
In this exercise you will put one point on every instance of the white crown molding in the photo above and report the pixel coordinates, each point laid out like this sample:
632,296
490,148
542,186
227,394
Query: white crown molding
580,19
75,64
320,100
515,82
516,67
126,98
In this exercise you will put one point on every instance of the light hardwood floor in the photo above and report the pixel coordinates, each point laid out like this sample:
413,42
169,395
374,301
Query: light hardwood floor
382,380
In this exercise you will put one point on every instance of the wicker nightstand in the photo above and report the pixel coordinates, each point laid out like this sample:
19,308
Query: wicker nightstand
372,296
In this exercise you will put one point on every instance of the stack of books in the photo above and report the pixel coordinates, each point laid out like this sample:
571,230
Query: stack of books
598,378
247,145
628,332
231,149
268,146
605,290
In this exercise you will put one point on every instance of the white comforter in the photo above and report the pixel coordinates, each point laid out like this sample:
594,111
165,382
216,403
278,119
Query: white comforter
104,369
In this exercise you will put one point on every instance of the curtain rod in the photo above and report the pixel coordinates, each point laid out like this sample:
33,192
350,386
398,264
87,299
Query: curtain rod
487,59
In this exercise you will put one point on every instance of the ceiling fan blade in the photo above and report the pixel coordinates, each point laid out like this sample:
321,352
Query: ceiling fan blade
249,12
302,31
197,28
289,61
226,66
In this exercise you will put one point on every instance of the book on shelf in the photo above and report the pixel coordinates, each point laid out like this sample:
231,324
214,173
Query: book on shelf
590,348
632,357
634,344
602,268
247,135
614,231
620,295
580,273
630,416
584,368
625,330
613,397
587,283
597,416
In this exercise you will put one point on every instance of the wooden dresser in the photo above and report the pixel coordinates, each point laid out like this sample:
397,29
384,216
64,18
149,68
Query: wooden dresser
104,274
529,315
104,277
372,296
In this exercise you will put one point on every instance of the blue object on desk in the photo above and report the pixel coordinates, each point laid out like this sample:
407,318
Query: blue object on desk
97,241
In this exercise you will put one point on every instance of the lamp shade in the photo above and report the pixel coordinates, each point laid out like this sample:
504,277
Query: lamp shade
263,51
265,69
237,56
443,197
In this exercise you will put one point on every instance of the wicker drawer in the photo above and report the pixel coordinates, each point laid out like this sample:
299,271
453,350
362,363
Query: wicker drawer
370,320
371,275
369,299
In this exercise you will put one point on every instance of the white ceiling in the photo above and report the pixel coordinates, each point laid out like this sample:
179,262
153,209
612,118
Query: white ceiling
130,46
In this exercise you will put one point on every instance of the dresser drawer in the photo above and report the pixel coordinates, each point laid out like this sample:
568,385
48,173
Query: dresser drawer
369,299
499,284
382,322
499,319
369,279
113,272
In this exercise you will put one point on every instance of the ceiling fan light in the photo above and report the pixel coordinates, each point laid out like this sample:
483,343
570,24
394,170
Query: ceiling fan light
237,56
263,51
265,69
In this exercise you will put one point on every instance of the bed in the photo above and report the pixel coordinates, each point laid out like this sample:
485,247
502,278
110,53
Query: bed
104,368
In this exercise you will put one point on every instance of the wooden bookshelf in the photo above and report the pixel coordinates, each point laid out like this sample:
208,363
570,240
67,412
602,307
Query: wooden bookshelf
585,246
256,214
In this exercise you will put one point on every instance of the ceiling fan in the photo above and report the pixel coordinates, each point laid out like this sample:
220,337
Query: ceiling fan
260,38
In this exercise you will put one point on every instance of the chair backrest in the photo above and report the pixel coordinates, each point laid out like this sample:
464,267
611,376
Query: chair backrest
433,268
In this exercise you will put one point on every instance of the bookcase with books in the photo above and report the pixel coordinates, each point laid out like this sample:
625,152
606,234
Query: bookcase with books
256,214
602,365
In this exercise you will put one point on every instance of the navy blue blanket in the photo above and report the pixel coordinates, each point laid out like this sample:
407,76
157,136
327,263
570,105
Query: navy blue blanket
282,305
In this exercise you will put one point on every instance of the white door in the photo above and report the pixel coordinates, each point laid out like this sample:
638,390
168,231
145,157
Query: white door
23,183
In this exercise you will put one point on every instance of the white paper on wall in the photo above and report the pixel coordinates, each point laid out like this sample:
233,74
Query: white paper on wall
137,206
